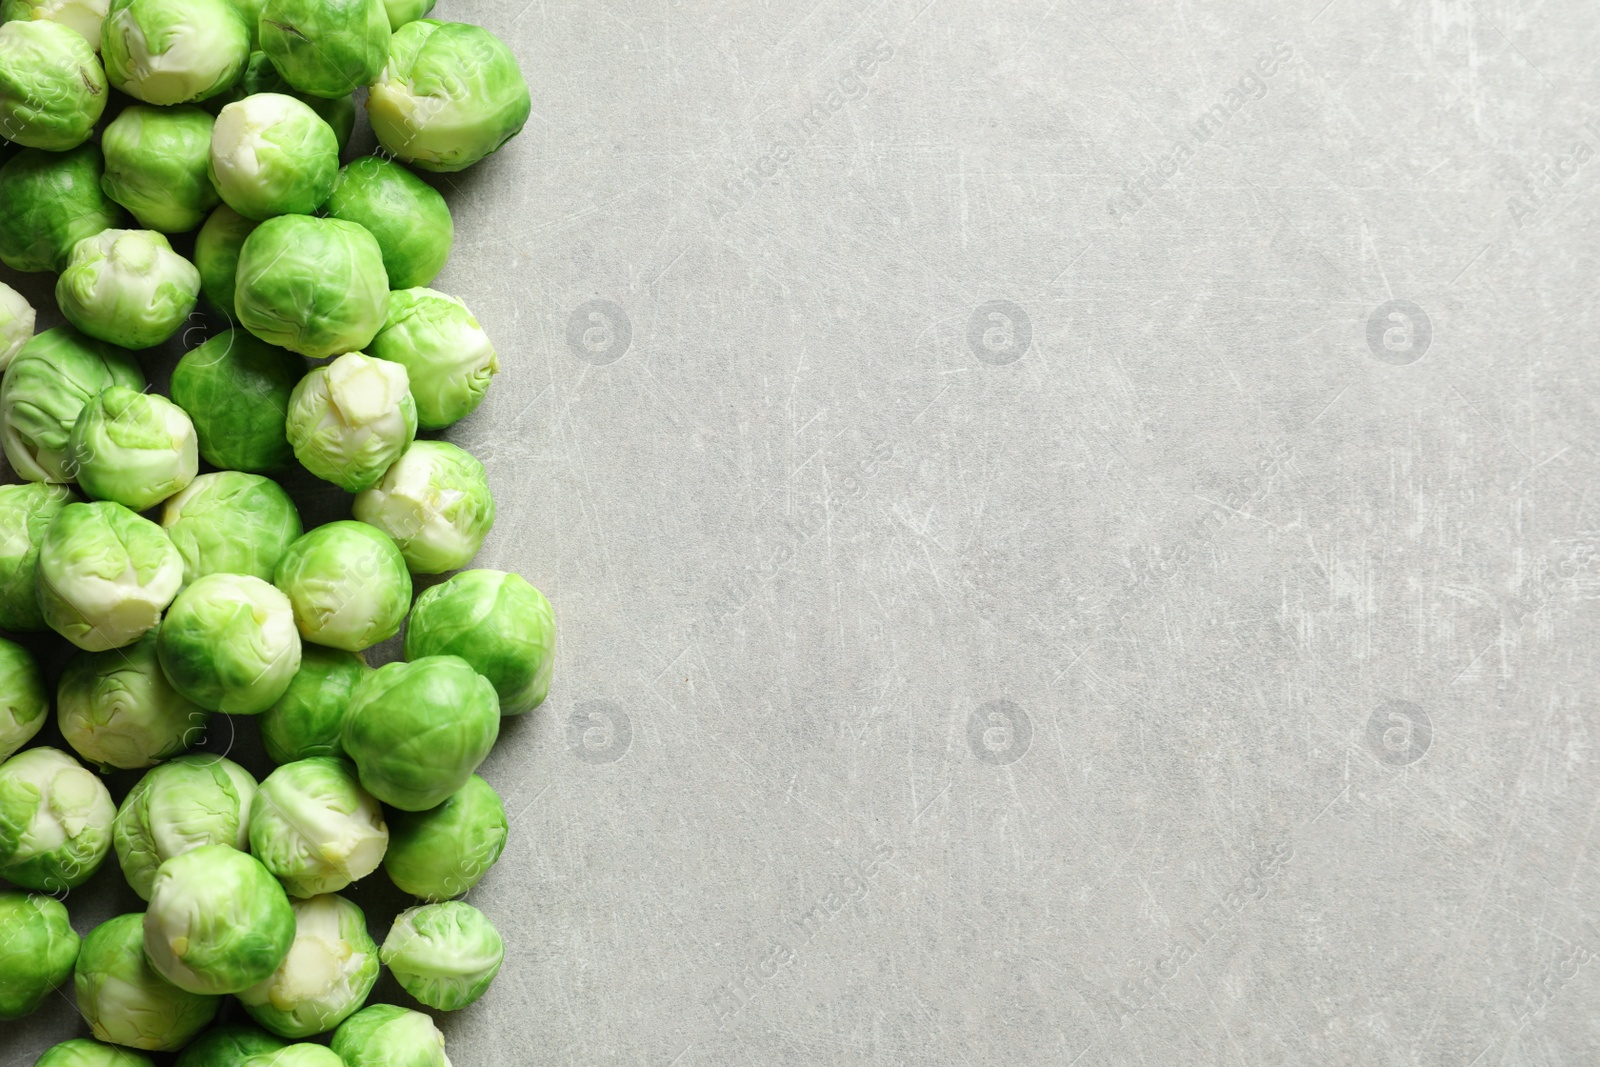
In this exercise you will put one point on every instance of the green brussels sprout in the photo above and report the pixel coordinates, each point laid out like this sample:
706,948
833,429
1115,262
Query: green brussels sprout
53,200
273,155
229,643
498,623
231,523
236,388
82,16
386,1036
348,584
37,950
26,512
127,287
313,286
156,159
24,700
260,76
445,954
52,88
316,829
178,807
351,419
305,1054
435,502
125,1000
307,720
105,575
174,51
404,11
418,730
55,821
326,976
117,709
450,95
326,47
408,217
132,447
227,1046
447,356
216,254
17,318
49,382
218,921
81,1052
445,851
250,11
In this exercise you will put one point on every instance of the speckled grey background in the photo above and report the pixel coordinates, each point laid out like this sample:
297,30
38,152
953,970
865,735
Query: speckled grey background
1072,526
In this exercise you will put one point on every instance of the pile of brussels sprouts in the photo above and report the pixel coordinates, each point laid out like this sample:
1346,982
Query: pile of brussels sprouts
149,532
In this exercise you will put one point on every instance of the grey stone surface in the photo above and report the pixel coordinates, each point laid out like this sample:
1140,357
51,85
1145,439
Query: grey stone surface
1013,615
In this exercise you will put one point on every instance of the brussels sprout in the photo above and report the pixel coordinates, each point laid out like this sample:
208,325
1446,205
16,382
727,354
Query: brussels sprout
174,51
117,709
348,584
229,643
445,851
307,720
273,155
216,255
408,217
435,502
351,419
445,955
53,200
302,1055
52,88
16,324
24,700
231,523
250,11
326,47
45,387
236,388
26,512
260,76
82,16
498,623
386,1036
316,829
326,976
180,806
227,1046
127,287
450,95
156,159
447,356
404,11
132,447
313,286
37,950
81,1052
55,821
418,730
218,921
125,1000
105,575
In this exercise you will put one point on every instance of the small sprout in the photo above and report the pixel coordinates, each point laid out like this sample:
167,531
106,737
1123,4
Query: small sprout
272,155
53,200
309,718
348,585
45,388
24,698
26,512
408,217
327,975
447,356
231,523
55,821
386,1036
52,87
351,419
125,1000
117,709
326,47
218,921
105,575
37,951
128,288
435,502
174,51
132,447
313,286
178,807
497,622
445,851
156,159
316,829
229,643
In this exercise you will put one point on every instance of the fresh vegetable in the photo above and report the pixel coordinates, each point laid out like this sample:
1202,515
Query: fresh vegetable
125,999
179,806
132,447
174,51
447,356
408,217
350,420
498,623
218,921
445,954
52,87
315,827
325,978
106,575
309,718
435,502
229,643
348,585
53,200
313,286
127,288
231,523
117,709
37,950
45,388
24,698
445,851
156,160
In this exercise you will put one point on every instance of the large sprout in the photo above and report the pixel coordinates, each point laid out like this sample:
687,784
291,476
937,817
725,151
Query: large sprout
45,388
117,709
272,155
450,95
231,523
24,698
218,921
125,1000
52,88
313,286
81,16
55,821
128,288
418,730
435,502
236,388
497,622
26,512
132,447
408,217
386,1036
17,318
53,200
229,643
326,47
445,851
309,718
315,827
445,955
174,51
351,419
228,1046
37,950
327,975
216,255
105,575
82,1052
178,807
348,584
156,159
446,354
